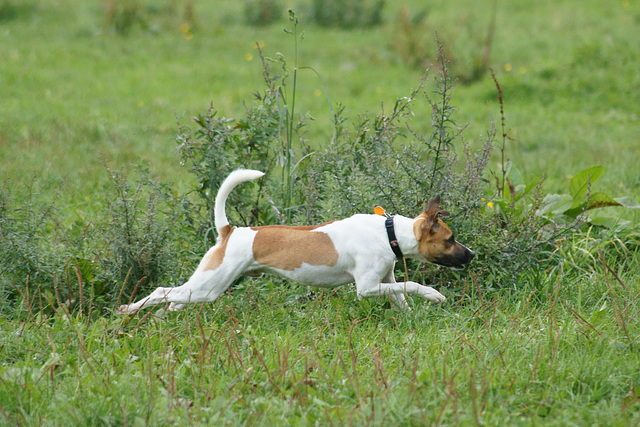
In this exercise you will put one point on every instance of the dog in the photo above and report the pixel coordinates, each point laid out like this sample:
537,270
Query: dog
361,249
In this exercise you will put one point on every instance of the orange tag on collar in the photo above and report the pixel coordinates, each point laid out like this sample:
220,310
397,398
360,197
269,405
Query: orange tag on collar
379,211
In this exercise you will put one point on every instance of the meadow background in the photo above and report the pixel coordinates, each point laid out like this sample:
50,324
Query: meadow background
92,101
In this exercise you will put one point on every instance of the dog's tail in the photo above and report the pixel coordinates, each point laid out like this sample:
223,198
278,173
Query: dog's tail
236,178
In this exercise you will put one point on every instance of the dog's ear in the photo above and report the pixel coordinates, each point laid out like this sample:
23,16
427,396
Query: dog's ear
430,224
432,210
432,207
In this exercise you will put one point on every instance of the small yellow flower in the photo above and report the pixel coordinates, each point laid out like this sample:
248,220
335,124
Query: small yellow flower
507,67
317,92
523,70
489,205
482,199
259,44
141,103
186,31
248,57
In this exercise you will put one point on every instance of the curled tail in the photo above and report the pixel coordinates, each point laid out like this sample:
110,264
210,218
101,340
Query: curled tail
236,178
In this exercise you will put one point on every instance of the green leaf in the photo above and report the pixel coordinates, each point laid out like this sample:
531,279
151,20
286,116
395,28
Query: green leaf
514,174
599,315
609,222
556,204
598,200
575,210
86,269
528,188
601,200
507,168
581,181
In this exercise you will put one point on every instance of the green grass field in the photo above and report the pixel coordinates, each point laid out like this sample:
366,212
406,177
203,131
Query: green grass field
558,345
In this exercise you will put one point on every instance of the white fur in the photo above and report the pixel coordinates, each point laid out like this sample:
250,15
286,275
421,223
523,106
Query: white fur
236,178
364,257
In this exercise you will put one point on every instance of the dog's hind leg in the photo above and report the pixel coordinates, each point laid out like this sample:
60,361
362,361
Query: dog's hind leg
203,286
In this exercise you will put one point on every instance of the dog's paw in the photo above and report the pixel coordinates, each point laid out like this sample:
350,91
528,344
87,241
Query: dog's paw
175,306
125,309
433,295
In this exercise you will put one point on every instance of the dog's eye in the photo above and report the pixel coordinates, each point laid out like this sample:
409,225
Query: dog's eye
451,240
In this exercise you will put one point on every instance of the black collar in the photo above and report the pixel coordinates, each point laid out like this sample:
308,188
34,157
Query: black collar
393,241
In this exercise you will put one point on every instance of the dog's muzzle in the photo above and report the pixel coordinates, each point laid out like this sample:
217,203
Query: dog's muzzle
457,261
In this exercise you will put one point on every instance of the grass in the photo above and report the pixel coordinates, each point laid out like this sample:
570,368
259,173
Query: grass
555,352
78,91
558,348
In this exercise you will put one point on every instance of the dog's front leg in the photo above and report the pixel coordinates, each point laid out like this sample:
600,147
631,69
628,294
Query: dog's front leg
174,306
398,300
396,291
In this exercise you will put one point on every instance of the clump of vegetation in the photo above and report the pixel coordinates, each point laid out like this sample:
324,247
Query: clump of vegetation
124,16
32,253
262,12
411,40
220,145
140,236
136,246
10,10
269,138
347,14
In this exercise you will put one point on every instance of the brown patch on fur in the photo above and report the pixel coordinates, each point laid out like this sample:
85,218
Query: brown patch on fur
287,248
213,260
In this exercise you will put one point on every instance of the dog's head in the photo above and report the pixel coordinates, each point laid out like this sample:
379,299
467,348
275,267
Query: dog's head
436,242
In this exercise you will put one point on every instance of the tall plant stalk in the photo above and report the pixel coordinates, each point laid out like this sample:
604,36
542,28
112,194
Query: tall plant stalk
287,117
442,137
289,114
505,136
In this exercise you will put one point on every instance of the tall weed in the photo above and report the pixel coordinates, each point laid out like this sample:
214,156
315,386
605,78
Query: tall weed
473,42
220,145
141,242
269,138
32,253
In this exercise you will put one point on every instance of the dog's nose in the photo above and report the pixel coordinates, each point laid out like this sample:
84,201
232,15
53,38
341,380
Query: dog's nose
470,255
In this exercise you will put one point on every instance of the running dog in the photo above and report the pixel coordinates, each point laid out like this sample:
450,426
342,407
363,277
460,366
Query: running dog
361,249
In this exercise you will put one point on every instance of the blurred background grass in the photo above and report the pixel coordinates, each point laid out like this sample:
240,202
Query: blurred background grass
76,93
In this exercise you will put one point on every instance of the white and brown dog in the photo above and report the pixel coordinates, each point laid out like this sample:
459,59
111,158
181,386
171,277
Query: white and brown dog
361,249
